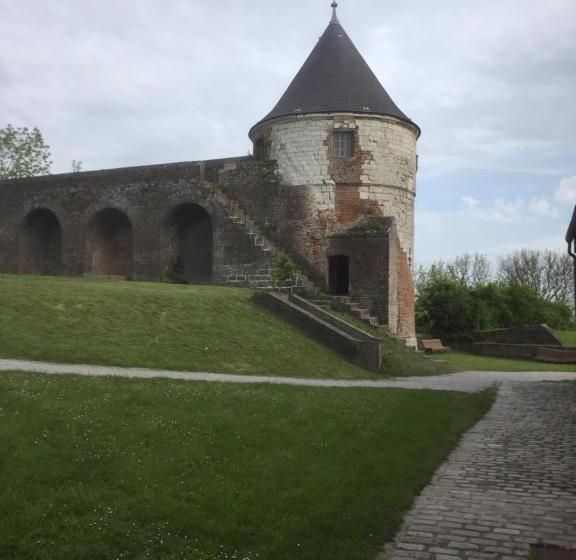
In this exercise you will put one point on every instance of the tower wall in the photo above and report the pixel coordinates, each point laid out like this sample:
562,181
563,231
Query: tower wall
378,180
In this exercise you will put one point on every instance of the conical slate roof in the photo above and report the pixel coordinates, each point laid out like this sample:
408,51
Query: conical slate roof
335,79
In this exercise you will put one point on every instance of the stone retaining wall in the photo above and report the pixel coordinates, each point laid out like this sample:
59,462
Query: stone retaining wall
537,334
537,352
345,339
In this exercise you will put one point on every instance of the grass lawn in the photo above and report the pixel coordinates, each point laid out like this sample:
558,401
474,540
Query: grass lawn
110,468
399,361
166,326
568,337
162,326
464,361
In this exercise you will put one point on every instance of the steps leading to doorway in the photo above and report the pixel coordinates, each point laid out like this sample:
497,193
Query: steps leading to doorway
345,304
355,344
261,278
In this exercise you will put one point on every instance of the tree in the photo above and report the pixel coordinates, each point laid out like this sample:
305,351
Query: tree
445,308
529,308
23,153
470,270
285,269
549,274
493,307
467,270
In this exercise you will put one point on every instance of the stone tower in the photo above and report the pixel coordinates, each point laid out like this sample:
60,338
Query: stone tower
346,156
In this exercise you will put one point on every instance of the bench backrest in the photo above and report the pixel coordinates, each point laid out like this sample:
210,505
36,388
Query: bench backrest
432,344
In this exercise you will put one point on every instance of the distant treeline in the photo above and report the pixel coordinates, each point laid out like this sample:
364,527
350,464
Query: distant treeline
457,299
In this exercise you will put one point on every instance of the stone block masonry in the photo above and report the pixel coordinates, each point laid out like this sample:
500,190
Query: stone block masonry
323,196
355,345
381,176
132,222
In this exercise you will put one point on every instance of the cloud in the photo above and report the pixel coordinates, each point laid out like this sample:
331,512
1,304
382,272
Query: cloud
501,212
470,202
181,80
493,228
504,211
566,192
168,81
550,243
543,208
495,87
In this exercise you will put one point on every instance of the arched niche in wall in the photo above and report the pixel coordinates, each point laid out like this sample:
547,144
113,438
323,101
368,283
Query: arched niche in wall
40,243
110,244
190,243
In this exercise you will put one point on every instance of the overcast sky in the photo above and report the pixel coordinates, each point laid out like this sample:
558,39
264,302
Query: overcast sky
492,84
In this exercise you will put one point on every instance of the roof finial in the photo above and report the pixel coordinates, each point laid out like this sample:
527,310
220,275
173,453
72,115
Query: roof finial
334,14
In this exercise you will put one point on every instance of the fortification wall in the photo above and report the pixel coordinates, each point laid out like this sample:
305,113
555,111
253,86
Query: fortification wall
134,222
130,222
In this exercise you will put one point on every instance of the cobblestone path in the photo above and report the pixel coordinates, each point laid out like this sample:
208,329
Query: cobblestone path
511,483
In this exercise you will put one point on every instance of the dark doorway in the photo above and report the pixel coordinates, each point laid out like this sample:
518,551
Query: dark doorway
40,244
110,244
191,243
339,275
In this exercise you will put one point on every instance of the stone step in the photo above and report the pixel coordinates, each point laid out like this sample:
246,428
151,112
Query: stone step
238,216
343,303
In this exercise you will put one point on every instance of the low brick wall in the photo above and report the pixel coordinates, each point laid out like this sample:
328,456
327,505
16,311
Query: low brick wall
537,352
371,350
354,348
497,350
537,334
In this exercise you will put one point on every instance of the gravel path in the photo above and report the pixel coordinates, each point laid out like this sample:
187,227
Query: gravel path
511,483
469,382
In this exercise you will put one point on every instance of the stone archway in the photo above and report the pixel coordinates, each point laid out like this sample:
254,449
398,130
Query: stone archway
40,244
190,234
110,244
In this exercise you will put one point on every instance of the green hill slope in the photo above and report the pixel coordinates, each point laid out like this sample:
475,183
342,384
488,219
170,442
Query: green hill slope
167,326
163,326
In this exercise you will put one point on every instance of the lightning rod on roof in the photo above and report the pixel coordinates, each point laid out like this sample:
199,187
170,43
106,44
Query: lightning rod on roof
334,14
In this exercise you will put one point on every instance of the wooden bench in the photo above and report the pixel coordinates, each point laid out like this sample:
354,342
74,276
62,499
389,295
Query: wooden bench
433,345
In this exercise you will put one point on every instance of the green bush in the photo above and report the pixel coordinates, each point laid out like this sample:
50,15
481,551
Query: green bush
558,316
492,306
285,269
447,309
527,308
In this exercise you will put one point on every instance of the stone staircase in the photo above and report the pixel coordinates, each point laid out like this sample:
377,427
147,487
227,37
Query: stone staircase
357,345
262,279
346,305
